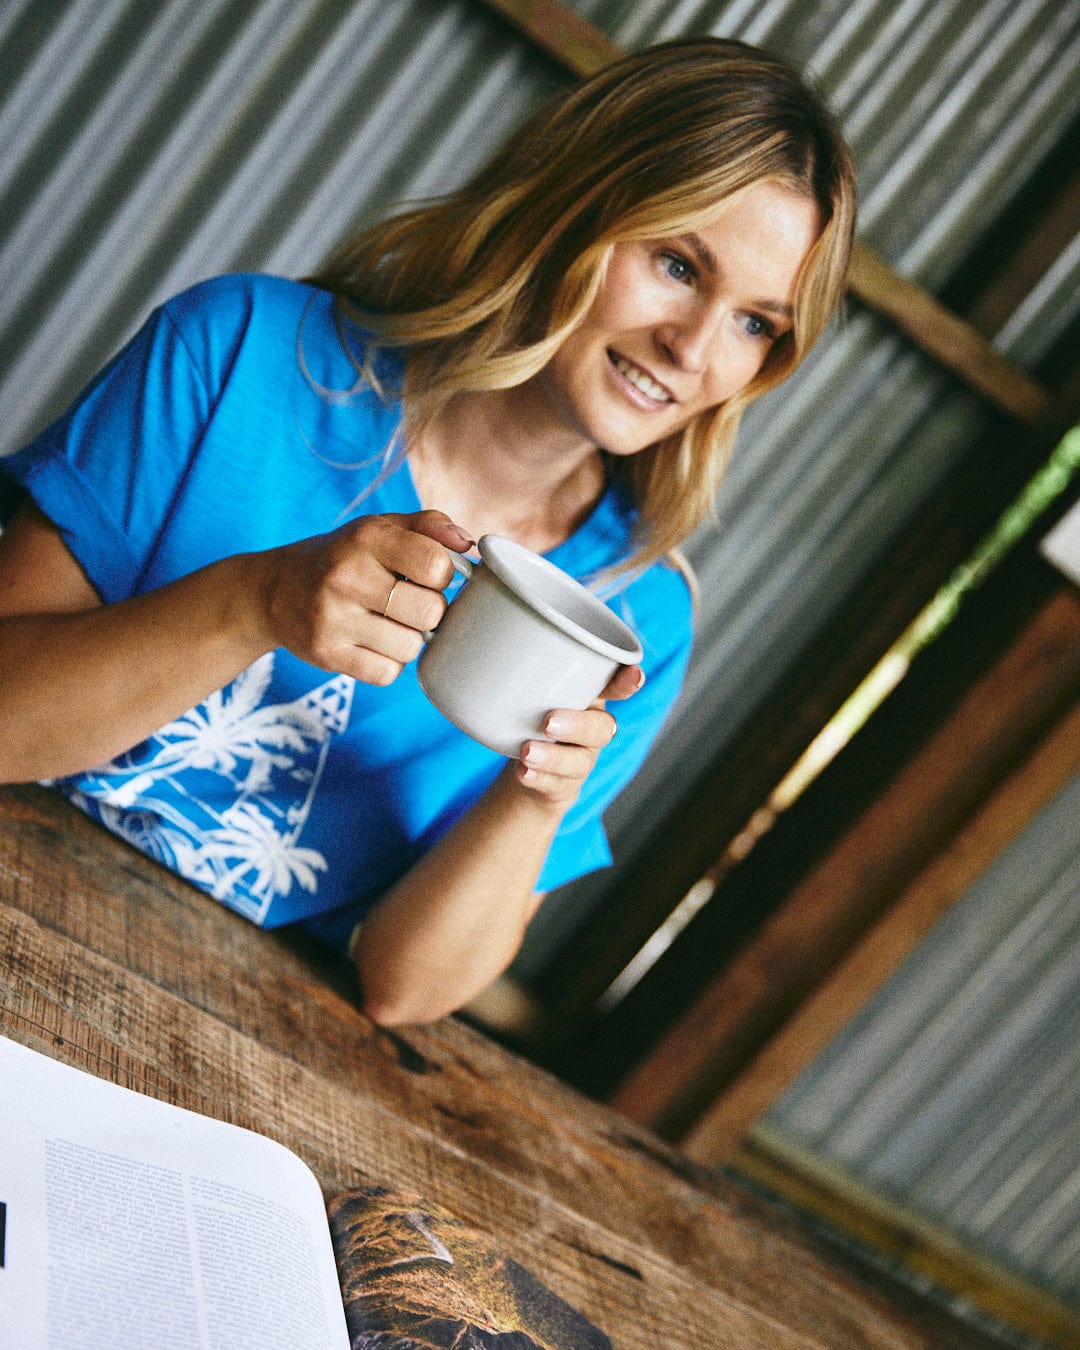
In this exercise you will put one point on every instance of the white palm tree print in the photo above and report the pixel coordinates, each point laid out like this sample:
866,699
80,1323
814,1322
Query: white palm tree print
272,755
250,840
227,729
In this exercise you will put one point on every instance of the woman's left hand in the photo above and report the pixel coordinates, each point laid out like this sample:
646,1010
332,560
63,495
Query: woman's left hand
455,920
556,769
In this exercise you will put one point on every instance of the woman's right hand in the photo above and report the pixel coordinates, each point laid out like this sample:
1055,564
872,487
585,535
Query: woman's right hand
357,601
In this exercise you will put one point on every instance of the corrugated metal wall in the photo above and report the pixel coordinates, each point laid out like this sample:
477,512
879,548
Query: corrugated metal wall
145,146
956,1093
957,1089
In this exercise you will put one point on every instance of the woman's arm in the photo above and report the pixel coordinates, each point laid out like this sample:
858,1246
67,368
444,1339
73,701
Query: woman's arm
81,682
455,921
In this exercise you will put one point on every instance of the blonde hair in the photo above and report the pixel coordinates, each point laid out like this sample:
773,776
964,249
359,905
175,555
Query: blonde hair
481,287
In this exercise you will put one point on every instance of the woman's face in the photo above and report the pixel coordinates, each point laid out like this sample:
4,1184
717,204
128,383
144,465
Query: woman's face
681,323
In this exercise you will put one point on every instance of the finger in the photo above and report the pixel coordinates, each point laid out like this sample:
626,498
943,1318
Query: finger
557,760
438,525
396,641
416,547
365,646
547,785
593,728
369,667
554,787
626,681
370,554
414,607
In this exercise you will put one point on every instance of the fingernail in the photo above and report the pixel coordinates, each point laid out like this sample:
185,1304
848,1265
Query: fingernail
555,725
535,753
463,539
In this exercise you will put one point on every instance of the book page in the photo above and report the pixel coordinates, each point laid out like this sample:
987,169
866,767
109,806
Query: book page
130,1224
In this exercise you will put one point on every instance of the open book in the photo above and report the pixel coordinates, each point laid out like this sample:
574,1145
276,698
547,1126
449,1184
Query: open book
130,1224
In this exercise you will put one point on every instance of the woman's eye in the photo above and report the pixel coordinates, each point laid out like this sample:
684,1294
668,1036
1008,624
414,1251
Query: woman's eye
756,326
678,269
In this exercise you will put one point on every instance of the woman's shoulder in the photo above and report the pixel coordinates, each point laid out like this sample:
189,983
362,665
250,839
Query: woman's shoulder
271,325
243,292
220,321
253,304
665,590
657,600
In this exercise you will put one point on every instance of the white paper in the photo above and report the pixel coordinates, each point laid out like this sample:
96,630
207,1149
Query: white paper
131,1224
1062,545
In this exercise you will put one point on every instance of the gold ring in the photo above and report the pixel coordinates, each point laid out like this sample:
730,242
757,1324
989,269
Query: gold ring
390,597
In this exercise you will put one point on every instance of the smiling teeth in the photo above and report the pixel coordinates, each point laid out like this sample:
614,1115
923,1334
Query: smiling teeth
641,381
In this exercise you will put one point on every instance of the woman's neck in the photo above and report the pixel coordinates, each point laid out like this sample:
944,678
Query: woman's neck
494,471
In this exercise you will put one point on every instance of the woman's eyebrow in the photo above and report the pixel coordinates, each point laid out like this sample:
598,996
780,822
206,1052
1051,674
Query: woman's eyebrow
704,255
707,260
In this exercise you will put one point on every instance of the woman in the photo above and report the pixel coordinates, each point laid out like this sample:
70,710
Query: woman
223,557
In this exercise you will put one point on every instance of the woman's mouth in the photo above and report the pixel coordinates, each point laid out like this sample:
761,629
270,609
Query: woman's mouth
640,379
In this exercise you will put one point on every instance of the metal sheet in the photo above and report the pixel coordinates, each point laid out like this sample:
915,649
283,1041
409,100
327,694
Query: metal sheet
956,1091
146,147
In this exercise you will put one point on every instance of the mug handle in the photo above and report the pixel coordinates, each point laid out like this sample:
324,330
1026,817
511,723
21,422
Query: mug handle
464,568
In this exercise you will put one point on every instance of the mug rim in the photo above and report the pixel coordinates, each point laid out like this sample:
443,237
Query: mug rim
494,549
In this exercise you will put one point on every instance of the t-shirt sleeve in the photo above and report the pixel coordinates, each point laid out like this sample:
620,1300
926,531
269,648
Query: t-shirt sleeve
106,472
660,610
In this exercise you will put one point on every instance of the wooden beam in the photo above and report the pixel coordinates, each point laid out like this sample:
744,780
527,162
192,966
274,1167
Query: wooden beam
582,48
596,1047
943,336
572,41
1044,240
889,941
857,913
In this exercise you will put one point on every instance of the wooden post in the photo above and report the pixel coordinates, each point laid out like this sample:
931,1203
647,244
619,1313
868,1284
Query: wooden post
843,930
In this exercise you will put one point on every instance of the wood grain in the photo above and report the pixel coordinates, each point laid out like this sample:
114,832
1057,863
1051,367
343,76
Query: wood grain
113,964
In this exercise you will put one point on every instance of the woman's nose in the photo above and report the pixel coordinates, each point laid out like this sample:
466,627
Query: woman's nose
690,340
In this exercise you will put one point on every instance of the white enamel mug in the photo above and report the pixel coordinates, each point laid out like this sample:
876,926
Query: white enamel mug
521,637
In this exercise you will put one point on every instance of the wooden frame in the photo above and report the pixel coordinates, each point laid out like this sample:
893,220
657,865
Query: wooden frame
901,1238
1015,740
709,816
1011,740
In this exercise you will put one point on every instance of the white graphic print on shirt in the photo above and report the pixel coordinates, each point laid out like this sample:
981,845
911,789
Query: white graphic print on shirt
273,756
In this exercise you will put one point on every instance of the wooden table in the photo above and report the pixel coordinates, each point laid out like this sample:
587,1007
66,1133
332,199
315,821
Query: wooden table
112,963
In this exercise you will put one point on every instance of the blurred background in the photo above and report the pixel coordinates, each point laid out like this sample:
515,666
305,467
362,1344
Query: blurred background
840,947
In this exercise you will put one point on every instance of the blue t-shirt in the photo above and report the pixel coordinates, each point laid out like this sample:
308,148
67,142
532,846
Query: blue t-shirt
234,421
